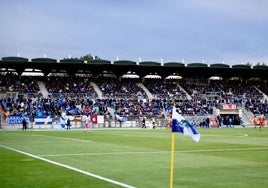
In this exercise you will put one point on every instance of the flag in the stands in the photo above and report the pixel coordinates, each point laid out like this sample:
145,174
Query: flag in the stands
180,124
119,118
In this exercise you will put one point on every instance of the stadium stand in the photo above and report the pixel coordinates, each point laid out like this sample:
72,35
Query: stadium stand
200,99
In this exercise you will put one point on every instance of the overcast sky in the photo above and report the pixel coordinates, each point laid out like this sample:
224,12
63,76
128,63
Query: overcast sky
213,31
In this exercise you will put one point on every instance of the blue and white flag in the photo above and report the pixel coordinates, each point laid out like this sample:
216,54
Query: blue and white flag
63,119
180,124
118,118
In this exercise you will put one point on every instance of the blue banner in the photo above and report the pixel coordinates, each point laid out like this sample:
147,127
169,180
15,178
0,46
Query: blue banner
37,120
43,120
16,119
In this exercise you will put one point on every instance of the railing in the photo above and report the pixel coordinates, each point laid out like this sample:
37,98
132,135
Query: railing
73,95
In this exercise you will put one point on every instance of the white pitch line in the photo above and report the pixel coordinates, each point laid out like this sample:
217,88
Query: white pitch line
69,167
100,154
148,152
64,138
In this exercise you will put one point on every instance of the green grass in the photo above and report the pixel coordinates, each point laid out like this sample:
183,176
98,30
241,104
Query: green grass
138,158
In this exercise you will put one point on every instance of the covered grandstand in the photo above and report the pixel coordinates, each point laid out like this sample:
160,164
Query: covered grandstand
100,88
120,67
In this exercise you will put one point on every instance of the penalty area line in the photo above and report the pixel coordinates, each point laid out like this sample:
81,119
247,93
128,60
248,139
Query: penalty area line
69,167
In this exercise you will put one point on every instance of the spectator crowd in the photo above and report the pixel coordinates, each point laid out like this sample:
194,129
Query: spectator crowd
76,96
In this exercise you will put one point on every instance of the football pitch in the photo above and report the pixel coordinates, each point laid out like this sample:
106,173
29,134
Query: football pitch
106,158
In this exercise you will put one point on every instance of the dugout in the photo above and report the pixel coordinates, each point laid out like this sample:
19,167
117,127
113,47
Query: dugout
230,115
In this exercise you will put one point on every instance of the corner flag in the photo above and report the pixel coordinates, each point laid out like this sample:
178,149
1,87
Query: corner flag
179,124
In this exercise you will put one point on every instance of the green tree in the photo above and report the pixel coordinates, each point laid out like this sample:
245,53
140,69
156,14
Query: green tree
89,57
261,64
249,64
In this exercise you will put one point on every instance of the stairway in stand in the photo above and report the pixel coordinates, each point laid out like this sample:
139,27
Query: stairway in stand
247,116
96,89
42,88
